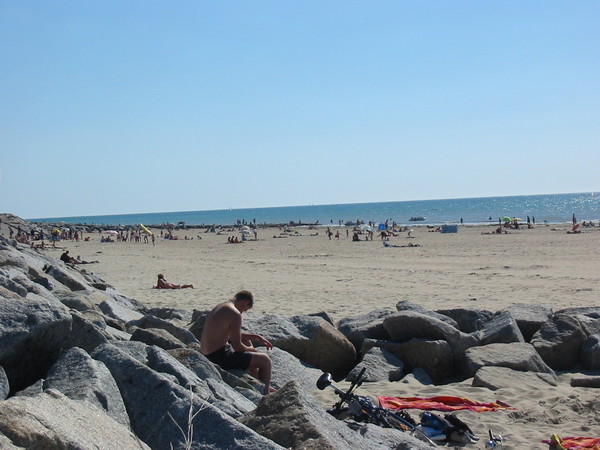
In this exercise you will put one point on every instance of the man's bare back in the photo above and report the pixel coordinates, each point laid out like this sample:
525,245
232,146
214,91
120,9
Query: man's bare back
217,327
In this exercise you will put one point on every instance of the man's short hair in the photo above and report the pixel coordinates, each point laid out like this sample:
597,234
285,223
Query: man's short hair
245,295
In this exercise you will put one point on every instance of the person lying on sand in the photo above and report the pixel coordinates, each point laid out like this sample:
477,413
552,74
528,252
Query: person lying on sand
410,244
162,283
224,344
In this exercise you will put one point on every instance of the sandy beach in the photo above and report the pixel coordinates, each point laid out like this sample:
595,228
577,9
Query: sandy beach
309,273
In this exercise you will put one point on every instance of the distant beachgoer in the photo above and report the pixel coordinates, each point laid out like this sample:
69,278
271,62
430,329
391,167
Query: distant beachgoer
162,283
66,258
78,260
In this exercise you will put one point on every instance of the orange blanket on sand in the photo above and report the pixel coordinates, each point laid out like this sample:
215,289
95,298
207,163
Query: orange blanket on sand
440,403
573,443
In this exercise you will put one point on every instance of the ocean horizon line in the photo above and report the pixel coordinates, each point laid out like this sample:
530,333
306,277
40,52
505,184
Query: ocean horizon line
550,208
249,208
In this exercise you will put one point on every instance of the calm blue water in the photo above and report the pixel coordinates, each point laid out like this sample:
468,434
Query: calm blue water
555,208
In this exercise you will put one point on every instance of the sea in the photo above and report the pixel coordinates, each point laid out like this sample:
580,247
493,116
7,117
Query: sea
552,208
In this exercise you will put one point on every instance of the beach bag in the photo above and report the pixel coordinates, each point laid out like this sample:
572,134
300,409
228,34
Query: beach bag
449,428
460,431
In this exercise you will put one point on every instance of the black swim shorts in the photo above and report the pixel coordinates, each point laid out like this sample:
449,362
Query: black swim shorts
228,359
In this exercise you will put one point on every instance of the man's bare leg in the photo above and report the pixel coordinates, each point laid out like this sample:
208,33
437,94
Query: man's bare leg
261,366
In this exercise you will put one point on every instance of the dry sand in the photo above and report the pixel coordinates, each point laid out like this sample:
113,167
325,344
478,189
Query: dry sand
309,274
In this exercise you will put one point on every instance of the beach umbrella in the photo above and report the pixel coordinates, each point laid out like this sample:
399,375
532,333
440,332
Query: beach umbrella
366,228
506,219
246,232
113,232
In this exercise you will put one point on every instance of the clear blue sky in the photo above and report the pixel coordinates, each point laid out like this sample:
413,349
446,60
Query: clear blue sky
147,106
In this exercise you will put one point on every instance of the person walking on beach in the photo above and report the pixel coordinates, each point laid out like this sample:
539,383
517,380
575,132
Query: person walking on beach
224,344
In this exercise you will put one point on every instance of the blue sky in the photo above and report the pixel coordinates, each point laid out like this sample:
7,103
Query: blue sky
149,106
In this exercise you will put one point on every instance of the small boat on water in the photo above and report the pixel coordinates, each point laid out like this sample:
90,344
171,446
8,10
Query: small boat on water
416,219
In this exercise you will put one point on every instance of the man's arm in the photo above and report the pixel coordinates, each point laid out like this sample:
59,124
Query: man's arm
257,337
235,334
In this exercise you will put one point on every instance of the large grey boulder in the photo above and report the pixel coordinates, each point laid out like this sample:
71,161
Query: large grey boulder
516,356
214,375
585,381
180,333
84,334
53,421
286,367
379,365
158,337
170,406
82,378
161,361
590,353
32,334
434,356
494,378
559,342
468,320
295,420
590,311
40,278
406,305
311,339
590,325
30,286
322,346
126,302
78,300
119,312
501,329
214,391
274,327
529,317
13,286
180,315
67,277
196,362
365,326
407,325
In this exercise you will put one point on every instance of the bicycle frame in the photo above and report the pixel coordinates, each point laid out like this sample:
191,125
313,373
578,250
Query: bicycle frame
377,414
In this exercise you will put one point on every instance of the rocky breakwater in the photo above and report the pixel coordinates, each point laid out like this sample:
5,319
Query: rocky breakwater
83,366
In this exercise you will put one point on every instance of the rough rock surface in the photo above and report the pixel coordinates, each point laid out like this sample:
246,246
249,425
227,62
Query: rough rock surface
559,341
516,356
380,365
80,377
33,333
294,420
52,421
494,378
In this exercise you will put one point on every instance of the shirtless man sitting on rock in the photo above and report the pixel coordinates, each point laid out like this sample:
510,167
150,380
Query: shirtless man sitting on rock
223,342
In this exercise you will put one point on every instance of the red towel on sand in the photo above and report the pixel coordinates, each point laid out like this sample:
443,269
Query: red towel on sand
573,443
440,403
